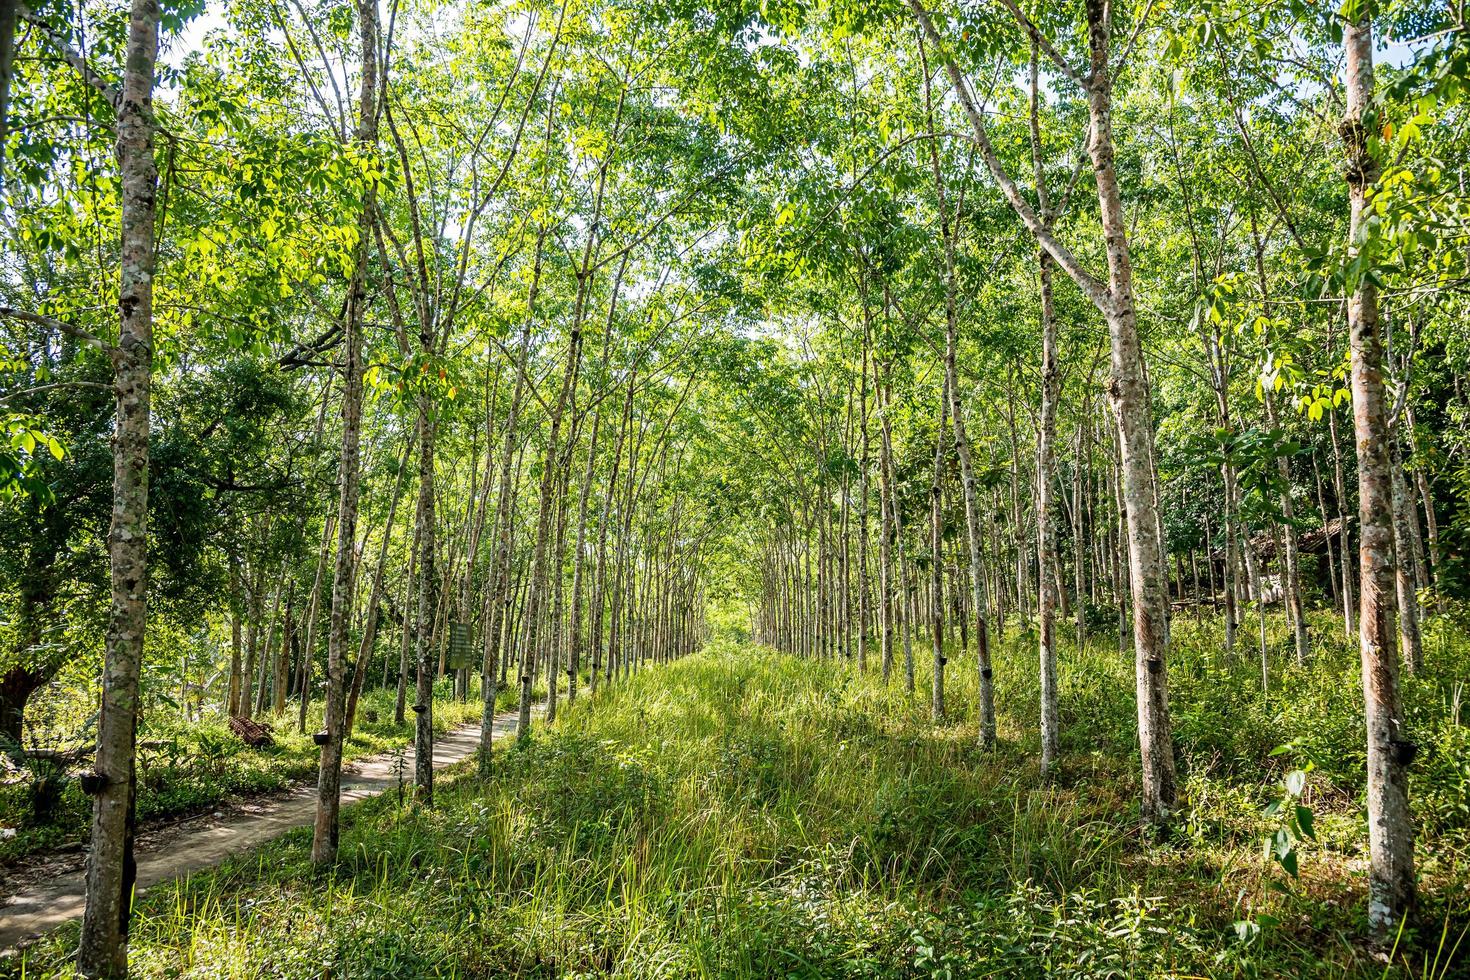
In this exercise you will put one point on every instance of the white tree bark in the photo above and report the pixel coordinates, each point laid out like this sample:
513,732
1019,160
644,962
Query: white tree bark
329,772
110,867
1390,827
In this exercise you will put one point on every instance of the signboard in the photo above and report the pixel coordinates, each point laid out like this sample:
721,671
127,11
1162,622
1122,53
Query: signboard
461,655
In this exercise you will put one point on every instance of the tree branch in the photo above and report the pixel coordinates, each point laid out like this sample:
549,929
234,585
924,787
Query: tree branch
40,389
1039,39
299,355
1133,39
70,55
50,323
1090,285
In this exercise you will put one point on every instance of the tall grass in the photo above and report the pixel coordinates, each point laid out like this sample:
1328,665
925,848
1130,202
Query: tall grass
746,814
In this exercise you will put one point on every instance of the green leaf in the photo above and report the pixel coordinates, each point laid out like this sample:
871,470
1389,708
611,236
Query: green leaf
1304,822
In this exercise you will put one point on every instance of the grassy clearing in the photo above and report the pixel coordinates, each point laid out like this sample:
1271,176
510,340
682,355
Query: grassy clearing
743,813
202,764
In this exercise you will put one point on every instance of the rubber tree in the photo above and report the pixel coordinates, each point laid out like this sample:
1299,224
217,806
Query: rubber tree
936,560
974,538
1127,385
103,950
1390,827
1048,587
325,827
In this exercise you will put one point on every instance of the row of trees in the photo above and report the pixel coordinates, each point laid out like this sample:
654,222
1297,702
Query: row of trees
541,325
429,370
1277,292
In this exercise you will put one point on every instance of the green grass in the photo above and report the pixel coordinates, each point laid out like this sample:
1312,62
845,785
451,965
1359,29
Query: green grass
202,764
747,814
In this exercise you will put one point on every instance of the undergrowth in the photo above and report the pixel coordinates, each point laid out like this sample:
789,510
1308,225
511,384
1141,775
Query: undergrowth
190,766
743,813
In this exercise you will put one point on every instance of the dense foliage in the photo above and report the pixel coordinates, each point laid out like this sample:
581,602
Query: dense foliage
506,345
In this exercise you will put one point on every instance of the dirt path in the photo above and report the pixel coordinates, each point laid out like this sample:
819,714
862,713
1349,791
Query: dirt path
38,908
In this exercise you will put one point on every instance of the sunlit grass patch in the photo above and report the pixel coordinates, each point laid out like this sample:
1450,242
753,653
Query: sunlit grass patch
743,813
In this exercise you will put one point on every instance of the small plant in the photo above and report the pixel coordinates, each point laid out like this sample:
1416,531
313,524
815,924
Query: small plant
1292,819
400,767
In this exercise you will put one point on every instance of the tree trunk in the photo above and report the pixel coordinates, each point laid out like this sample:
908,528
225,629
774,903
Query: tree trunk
1257,588
1421,480
1293,585
536,603
1127,389
1079,525
602,651
266,680
1128,392
1118,533
236,645
110,867
864,613
936,561
949,232
16,687
325,829
1045,536
256,613
1328,548
283,655
405,638
1390,827
423,706
375,599
1344,547
555,585
1047,585
578,555
304,685
886,529
1411,643
499,587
